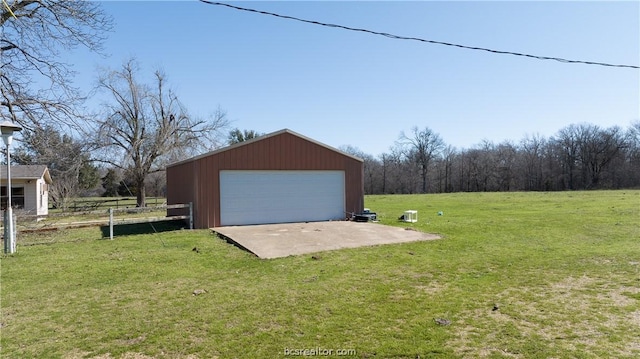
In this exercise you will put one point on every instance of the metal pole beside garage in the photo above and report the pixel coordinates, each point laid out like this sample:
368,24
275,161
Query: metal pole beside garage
111,223
190,215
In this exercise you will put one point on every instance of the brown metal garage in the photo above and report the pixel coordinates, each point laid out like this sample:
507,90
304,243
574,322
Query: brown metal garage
276,178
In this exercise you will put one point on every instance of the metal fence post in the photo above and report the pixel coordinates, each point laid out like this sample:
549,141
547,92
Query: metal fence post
111,223
190,215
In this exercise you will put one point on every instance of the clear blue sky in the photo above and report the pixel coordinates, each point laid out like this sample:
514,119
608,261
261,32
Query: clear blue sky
348,88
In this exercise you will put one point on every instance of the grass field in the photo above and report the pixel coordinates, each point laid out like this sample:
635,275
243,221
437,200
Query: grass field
516,275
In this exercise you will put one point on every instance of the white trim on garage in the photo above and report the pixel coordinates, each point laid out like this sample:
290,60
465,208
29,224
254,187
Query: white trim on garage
260,197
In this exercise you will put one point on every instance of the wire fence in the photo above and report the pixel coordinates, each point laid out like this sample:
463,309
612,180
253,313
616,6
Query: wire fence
95,203
111,222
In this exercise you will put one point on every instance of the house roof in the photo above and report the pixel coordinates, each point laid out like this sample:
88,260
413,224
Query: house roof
27,172
264,137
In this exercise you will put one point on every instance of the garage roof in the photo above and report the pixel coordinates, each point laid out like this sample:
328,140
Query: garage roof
264,137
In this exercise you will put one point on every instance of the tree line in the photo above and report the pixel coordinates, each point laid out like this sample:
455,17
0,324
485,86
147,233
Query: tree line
578,157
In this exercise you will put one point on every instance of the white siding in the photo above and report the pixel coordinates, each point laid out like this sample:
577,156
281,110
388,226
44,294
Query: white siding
30,199
35,202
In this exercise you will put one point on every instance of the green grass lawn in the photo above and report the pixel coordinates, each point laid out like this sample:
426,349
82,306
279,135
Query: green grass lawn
563,270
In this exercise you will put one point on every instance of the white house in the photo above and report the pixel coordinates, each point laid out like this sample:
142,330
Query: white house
29,188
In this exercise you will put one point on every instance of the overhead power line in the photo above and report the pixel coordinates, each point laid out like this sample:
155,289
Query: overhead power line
398,37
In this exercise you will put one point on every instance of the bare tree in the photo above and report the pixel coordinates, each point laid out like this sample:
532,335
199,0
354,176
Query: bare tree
532,161
634,131
393,175
423,145
67,159
33,35
145,127
479,167
568,141
444,167
598,148
371,168
157,184
633,154
506,161
384,167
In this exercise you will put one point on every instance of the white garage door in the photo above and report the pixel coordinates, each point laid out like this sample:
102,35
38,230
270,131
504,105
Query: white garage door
257,197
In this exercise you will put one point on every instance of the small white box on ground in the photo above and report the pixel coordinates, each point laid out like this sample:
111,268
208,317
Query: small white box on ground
411,216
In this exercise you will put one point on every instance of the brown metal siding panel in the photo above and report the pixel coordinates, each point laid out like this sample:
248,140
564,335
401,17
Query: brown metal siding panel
213,180
316,159
284,156
270,160
201,190
354,186
313,160
330,162
251,159
274,154
320,158
337,162
226,159
261,151
203,193
200,187
294,150
241,159
180,187
265,157
289,148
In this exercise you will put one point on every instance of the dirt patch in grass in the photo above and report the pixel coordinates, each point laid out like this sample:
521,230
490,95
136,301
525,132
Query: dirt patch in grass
581,315
620,297
128,355
79,354
635,319
431,288
132,341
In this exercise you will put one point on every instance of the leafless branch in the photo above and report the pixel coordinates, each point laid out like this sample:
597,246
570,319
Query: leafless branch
145,127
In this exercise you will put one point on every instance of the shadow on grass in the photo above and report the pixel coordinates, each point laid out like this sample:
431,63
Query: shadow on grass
143,228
